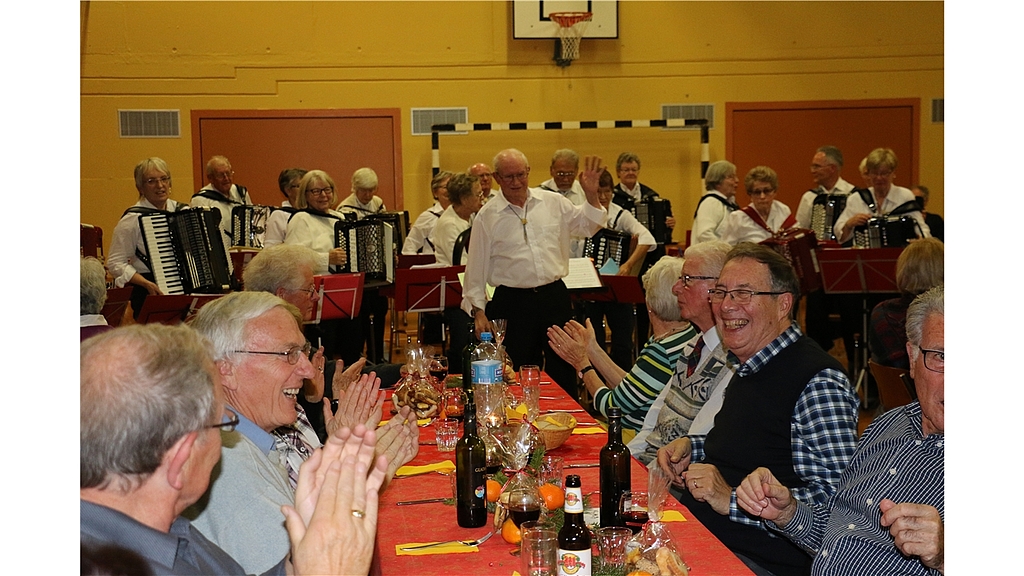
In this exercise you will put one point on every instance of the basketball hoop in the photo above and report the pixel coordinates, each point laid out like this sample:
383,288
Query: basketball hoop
570,29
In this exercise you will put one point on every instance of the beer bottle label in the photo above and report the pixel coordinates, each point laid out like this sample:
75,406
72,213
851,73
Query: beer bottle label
573,500
574,562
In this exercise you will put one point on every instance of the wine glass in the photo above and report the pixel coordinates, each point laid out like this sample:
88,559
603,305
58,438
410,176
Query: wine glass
438,368
499,325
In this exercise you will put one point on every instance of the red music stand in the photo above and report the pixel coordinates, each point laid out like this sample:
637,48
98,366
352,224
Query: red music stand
172,309
410,260
116,305
860,271
341,296
427,290
621,290
240,258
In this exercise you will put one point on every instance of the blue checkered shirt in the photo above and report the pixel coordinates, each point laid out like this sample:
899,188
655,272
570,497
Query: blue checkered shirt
823,431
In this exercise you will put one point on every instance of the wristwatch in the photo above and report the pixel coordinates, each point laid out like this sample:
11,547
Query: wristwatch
585,370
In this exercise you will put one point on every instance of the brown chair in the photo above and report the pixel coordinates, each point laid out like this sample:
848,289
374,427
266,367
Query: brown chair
892,390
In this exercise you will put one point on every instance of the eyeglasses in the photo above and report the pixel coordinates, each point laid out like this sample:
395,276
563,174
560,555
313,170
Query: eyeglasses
740,296
564,174
934,360
228,421
161,180
319,191
311,291
522,176
885,174
223,175
762,192
688,280
629,170
292,354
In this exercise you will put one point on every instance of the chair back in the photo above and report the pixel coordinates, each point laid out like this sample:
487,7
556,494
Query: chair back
92,241
461,243
892,391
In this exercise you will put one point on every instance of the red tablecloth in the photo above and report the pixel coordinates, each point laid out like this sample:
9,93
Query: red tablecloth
436,522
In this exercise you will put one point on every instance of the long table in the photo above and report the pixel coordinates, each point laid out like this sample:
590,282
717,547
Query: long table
704,553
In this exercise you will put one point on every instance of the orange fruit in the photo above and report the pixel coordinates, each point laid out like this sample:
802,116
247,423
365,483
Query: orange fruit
493,489
553,496
511,533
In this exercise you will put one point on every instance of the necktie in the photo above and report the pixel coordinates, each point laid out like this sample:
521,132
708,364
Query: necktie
289,443
694,358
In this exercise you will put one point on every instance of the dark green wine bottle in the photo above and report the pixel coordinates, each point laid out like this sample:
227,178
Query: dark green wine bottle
470,464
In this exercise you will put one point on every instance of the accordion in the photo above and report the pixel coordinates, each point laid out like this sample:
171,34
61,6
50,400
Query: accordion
824,213
369,246
797,245
891,231
399,222
607,244
652,213
249,225
186,251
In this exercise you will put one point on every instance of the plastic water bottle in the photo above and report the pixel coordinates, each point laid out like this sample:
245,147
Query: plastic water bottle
487,381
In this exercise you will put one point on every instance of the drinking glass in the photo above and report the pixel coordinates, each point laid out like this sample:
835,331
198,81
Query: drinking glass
611,546
633,509
447,434
529,378
551,470
499,325
540,550
438,368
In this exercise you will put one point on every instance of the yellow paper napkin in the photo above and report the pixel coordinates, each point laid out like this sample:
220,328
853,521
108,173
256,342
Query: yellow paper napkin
672,516
588,430
445,466
443,549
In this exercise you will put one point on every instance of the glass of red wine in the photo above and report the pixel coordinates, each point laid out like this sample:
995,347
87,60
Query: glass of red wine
438,369
633,510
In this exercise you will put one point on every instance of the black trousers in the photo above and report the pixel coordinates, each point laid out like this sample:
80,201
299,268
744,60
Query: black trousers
530,312
620,320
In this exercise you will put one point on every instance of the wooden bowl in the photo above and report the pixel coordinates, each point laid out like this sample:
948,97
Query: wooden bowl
554,435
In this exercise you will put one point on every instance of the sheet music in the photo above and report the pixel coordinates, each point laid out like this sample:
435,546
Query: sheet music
582,274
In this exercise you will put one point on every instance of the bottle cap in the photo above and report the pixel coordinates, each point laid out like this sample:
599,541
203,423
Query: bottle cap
486,336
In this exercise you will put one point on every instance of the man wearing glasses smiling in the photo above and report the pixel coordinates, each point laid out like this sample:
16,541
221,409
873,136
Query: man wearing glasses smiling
790,408
520,245
221,193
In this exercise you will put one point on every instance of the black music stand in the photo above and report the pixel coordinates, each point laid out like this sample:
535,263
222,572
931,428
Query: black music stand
172,309
621,290
859,271
428,290
116,305
341,295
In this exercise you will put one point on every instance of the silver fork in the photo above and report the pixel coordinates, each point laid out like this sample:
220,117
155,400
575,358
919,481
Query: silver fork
476,542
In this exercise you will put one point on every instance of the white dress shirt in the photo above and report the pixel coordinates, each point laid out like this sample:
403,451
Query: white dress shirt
710,217
421,230
897,196
315,232
803,211
447,230
277,226
354,206
126,239
507,252
578,197
739,227
224,207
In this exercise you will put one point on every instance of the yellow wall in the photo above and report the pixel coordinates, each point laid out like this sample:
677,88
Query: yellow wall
284,55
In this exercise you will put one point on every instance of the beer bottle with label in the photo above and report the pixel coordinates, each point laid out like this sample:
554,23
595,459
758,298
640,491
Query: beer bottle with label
470,464
614,470
574,537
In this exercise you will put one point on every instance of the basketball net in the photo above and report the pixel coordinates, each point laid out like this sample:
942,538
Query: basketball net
570,30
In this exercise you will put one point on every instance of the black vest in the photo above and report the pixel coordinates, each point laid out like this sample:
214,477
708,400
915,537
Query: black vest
753,429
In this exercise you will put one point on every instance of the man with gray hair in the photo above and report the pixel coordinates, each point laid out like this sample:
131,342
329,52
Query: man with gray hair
94,296
888,514
521,246
565,166
482,171
826,168
151,411
789,408
221,193
262,358
691,399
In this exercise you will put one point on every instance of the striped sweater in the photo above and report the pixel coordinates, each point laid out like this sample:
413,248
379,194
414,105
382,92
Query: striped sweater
642,384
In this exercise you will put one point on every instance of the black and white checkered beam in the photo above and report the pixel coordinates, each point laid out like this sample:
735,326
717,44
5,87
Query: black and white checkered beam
437,129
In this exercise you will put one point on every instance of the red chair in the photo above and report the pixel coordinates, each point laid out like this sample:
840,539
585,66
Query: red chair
92,241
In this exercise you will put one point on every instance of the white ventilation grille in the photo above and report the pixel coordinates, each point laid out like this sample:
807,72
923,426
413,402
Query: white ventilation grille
424,118
938,110
149,123
689,112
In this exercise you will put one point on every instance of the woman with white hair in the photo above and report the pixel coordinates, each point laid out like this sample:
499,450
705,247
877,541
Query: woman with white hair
712,208
363,199
127,261
94,296
636,390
